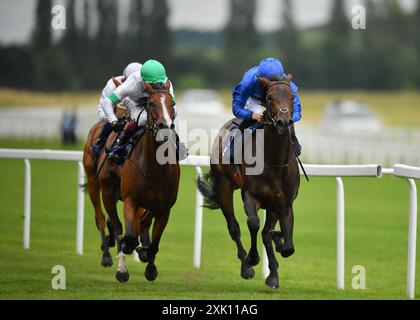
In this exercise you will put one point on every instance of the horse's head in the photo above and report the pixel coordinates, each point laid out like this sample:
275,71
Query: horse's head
160,106
279,100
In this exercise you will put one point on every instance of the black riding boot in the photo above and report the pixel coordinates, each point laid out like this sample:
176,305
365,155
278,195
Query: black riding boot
295,143
100,142
117,153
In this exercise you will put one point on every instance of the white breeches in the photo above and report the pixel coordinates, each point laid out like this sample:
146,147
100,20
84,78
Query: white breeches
254,105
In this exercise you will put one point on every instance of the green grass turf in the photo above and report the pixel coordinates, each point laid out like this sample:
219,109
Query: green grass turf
376,237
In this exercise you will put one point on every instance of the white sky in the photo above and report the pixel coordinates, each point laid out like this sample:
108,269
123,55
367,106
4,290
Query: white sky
16,17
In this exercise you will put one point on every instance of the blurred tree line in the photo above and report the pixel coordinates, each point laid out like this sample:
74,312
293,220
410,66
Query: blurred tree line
384,56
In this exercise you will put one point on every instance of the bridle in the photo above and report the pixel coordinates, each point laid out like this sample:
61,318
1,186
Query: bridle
273,118
154,127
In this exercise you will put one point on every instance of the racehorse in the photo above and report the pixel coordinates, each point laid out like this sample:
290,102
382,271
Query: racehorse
148,189
146,182
91,163
274,189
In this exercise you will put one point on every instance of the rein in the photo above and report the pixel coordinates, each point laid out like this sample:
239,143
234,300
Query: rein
272,121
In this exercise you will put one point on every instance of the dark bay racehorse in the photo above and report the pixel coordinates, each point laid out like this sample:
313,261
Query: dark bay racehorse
274,189
139,183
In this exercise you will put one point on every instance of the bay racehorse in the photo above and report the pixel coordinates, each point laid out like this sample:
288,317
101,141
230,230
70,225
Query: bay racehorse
142,183
90,163
274,189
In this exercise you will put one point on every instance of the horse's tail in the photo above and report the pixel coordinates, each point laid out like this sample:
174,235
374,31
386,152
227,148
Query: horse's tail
207,188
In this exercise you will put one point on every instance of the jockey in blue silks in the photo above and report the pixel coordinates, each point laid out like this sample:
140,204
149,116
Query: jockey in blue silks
248,96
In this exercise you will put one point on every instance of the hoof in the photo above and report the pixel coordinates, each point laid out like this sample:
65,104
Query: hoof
287,252
128,244
122,276
247,272
142,252
272,282
252,261
106,260
151,273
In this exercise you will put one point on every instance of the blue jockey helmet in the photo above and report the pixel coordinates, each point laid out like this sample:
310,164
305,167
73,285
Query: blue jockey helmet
270,68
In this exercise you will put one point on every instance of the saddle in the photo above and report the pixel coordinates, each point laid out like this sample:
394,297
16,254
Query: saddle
181,149
129,145
237,126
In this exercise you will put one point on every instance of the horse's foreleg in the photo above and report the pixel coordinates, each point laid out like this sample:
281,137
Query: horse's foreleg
286,224
272,280
161,220
145,224
251,207
132,214
122,274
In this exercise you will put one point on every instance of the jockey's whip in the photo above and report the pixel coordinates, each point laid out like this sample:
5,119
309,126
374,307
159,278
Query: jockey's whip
300,163
106,157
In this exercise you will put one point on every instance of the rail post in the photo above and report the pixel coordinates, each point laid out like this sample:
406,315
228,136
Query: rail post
80,208
265,269
27,206
412,235
198,230
340,233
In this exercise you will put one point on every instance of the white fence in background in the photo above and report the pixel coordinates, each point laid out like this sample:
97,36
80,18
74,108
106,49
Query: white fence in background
43,122
336,171
386,147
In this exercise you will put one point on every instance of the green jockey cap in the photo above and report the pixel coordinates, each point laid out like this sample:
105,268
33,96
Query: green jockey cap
153,71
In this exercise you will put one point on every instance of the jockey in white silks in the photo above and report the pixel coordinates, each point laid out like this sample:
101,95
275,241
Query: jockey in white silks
134,90
106,112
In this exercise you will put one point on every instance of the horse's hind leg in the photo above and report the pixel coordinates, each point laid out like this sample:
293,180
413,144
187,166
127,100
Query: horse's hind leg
110,204
251,207
226,204
94,194
272,280
161,220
